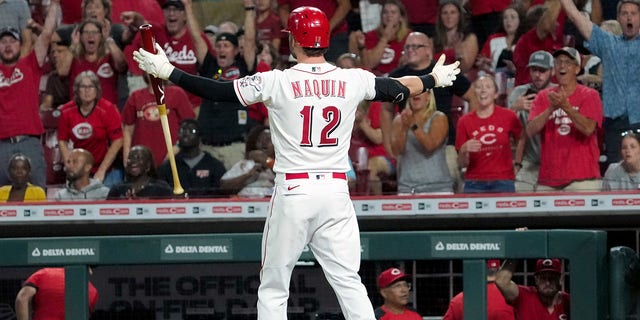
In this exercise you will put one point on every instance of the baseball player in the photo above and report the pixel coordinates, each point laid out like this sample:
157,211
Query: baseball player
311,114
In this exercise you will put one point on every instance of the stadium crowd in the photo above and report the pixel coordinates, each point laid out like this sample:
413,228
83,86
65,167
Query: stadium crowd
545,101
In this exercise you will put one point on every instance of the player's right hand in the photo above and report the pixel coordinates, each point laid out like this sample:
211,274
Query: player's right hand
157,65
445,74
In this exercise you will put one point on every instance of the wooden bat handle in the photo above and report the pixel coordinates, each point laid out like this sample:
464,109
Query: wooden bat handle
148,43
164,120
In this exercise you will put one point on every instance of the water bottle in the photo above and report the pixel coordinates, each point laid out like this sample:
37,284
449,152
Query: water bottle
362,172
363,158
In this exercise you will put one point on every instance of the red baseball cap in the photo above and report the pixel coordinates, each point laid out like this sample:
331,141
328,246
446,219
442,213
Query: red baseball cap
553,265
493,264
390,276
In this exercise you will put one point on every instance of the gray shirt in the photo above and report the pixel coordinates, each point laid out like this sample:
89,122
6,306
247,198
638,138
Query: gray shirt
420,171
532,147
617,178
94,191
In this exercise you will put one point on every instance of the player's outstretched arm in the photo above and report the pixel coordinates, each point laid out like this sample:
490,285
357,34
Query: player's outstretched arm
158,65
441,76
399,89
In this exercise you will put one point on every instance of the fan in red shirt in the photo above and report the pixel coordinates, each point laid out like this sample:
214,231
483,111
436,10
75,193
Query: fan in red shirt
141,120
567,117
484,142
91,123
43,293
544,301
98,52
20,124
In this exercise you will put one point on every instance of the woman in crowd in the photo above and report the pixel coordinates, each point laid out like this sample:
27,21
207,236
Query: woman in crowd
92,123
93,49
420,139
253,176
453,38
381,49
625,175
483,141
497,53
19,173
141,178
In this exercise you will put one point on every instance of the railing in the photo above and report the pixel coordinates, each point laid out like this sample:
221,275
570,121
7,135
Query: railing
585,250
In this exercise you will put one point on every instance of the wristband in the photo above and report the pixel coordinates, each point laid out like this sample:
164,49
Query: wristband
249,8
428,82
518,164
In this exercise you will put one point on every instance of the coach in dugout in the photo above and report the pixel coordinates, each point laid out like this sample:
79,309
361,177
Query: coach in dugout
394,288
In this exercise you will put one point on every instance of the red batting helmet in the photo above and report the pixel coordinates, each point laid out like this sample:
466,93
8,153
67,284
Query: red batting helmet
309,26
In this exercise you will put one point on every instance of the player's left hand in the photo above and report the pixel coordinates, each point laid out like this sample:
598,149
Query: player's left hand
157,65
445,74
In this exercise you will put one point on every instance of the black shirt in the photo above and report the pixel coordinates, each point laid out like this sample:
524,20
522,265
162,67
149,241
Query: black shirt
154,189
202,179
222,122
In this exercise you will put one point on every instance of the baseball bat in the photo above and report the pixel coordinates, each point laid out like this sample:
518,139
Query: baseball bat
149,44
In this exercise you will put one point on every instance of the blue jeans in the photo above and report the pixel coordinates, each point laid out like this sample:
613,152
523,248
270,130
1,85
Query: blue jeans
494,186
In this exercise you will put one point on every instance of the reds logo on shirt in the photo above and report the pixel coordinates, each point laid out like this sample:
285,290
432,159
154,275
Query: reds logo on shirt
105,71
387,56
562,120
150,112
82,131
487,135
180,57
16,77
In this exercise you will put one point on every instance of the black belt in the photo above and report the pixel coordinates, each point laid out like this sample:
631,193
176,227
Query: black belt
19,138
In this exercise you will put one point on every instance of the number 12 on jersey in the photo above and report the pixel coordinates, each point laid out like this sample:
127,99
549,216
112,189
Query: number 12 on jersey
331,116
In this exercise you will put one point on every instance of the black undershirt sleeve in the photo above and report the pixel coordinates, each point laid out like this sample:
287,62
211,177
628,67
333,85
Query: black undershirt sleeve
391,90
204,87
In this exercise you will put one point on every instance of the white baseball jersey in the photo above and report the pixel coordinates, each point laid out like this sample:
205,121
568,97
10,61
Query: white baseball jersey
311,113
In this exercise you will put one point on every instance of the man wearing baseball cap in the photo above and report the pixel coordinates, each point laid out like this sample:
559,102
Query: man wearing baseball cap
545,300
223,125
20,124
394,288
497,308
540,68
567,117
